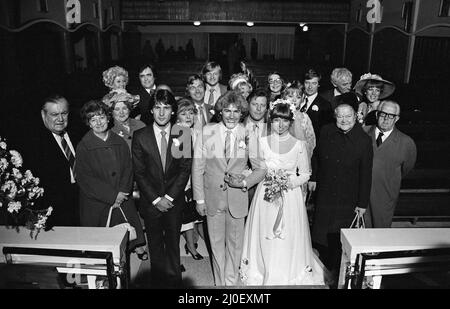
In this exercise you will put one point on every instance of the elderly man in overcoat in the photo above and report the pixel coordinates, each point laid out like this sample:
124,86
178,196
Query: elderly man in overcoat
342,175
394,156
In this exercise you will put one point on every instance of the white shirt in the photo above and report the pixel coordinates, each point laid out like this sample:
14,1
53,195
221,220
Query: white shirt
199,115
58,140
336,92
385,134
158,141
158,135
150,89
250,126
216,93
223,134
311,99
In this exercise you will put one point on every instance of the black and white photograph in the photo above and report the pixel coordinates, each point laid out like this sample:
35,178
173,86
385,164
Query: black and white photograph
225,151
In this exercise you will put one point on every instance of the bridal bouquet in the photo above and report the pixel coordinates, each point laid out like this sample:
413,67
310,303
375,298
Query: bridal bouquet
19,190
276,181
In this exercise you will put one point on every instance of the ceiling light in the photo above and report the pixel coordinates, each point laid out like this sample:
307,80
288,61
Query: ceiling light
250,24
301,24
197,23
305,28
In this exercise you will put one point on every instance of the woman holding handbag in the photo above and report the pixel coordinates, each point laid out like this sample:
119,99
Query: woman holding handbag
104,174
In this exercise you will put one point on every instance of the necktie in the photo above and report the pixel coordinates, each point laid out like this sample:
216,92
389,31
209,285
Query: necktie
379,139
305,106
228,145
201,115
211,96
256,129
69,155
163,149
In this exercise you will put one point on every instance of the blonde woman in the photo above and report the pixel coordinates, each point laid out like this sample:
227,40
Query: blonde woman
192,222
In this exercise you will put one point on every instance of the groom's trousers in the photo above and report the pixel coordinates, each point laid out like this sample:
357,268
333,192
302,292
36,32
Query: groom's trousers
227,238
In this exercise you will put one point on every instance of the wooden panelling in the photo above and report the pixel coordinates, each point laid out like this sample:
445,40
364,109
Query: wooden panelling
357,53
276,11
389,54
431,72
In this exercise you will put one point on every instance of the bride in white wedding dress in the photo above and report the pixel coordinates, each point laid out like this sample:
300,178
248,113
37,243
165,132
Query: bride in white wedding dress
277,243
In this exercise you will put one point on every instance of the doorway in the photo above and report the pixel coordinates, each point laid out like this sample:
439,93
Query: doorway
219,45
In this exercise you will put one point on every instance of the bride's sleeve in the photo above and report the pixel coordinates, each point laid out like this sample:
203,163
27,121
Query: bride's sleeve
303,167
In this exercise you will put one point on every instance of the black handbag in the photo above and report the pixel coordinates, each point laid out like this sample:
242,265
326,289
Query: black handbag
190,213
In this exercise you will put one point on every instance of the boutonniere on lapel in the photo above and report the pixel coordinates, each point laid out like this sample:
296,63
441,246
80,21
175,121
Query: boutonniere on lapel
121,134
212,112
315,108
176,142
242,145
243,142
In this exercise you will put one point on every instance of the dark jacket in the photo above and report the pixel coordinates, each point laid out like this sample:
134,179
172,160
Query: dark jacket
320,115
152,181
342,167
43,156
162,228
143,107
328,95
103,170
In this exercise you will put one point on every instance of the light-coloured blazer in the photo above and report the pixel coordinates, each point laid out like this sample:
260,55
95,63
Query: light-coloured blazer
209,168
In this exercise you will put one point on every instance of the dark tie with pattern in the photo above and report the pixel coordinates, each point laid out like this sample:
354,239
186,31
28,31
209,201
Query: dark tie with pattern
69,155
202,114
228,145
163,149
380,139
256,129
211,97
305,106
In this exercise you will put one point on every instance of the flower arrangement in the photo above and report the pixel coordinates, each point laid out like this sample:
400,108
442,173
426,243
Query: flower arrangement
19,190
284,101
275,181
370,76
120,95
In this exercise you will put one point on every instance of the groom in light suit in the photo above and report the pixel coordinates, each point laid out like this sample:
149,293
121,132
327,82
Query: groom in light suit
220,190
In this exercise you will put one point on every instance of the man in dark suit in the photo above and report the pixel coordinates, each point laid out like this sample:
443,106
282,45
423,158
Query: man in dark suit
50,155
161,179
212,74
341,78
318,109
394,156
145,90
256,124
342,176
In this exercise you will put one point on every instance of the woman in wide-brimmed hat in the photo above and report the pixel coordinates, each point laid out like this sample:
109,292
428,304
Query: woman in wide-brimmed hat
372,88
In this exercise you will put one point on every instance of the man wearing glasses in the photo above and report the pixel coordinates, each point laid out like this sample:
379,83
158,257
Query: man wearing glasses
394,156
